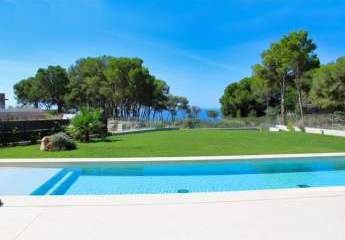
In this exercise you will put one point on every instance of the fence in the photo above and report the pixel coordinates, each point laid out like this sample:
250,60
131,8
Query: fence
20,131
118,125
327,121
334,121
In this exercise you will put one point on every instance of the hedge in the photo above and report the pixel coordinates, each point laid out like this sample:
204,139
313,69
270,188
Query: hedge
33,130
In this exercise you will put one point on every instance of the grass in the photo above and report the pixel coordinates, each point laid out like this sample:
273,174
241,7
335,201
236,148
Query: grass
190,143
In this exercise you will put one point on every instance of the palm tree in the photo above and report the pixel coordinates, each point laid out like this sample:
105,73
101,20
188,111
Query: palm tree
85,123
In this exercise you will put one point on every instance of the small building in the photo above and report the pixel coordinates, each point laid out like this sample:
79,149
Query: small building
2,101
22,115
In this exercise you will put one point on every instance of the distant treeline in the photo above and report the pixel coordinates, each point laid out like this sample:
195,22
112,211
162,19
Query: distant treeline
121,87
288,79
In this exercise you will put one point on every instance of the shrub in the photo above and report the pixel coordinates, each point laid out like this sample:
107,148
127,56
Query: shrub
291,126
85,123
191,123
61,141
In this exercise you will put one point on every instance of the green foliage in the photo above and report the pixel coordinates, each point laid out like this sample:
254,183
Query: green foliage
291,126
85,123
284,77
175,103
276,62
194,112
264,87
190,123
238,98
12,132
48,88
27,92
212,114
122,87
262,122
328,89
302,59
61,141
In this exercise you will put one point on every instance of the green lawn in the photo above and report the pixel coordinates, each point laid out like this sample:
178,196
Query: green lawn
191,143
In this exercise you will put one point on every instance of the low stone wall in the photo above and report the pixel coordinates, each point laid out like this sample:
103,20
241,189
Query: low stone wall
313,130
115,126
330,132
143,130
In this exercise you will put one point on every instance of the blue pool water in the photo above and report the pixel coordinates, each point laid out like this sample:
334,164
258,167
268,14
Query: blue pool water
173,177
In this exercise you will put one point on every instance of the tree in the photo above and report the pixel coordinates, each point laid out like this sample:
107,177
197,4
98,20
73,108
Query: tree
195,112
122,87
263,85
48,87
86,81
227,101
328,88
302,59
212,114
27,92
183,105
172,106
175,104
160,98
52,83
239,100
276,62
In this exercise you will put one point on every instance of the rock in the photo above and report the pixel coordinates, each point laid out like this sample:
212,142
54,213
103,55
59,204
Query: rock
45,144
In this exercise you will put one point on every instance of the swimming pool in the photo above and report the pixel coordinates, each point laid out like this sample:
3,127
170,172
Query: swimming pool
172,177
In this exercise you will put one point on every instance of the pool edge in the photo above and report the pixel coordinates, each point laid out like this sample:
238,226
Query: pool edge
174,198
14,162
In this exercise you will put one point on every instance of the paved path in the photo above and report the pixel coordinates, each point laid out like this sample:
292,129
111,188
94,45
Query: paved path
317,213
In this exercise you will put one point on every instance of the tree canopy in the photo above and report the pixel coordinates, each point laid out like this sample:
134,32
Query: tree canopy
239,101
289,76
328,88
121,87
48,87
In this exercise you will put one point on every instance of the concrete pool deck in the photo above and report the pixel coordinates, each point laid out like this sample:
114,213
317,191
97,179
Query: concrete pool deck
314,213
301,213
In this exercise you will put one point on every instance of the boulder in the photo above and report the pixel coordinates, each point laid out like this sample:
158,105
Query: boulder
45,144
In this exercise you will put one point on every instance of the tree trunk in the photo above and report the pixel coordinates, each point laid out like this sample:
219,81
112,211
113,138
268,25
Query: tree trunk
300,106
299,93
87,138
282,101
59,108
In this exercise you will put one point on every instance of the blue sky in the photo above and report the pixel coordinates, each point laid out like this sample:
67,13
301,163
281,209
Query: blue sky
197,46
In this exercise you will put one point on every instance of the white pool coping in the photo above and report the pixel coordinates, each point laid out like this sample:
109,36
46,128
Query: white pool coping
18,161
172,198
